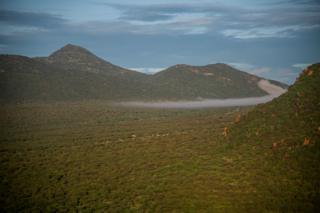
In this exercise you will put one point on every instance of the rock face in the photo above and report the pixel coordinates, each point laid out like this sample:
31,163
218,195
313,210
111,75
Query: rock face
74,73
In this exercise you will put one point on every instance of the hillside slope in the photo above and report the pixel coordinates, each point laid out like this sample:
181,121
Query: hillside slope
27,79
282,138
211,81
74,73
89,156
74,57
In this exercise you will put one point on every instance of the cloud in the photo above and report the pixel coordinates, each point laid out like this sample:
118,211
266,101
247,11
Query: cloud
177,19
19,22
142,12
272,90
3,47
280,74
297,2
301,66
14,23
267,32
231,21
101,27
14,30
146,17
197,31
286,75
187,19
31,19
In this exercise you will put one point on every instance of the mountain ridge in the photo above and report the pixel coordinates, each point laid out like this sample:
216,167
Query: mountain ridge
73,72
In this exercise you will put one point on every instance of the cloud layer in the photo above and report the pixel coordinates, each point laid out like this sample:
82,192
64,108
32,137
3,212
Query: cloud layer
231,21
228,20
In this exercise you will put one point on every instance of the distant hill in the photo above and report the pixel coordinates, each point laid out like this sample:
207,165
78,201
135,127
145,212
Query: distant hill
283,137
74,73
27,79
78,58
211,81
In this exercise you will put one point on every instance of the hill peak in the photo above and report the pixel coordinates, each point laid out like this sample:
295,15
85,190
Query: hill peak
219,64
71,46
78,58
181,65
70,50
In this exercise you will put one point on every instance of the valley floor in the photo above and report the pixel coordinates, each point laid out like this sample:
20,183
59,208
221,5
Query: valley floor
89,156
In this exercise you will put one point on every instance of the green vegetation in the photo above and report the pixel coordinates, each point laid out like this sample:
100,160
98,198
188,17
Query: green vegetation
211,81
24,79
89,156
73,73
283,138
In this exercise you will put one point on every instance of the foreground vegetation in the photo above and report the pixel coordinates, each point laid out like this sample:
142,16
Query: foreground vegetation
90,156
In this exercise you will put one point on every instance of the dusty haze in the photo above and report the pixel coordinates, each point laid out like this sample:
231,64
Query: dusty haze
271,89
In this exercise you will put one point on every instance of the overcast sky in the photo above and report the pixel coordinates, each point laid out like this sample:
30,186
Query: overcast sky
270,38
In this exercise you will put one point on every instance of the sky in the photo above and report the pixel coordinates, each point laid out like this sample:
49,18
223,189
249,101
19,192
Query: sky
274,39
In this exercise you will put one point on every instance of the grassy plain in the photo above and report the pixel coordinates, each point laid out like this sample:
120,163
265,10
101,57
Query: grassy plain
90,156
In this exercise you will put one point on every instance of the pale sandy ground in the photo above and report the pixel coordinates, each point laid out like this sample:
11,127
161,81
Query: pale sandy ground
273,90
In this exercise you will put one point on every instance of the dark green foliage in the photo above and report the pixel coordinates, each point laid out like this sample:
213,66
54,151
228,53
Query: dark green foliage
88,156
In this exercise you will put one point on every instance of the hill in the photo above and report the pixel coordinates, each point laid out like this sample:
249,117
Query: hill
74,73
74,57
283,138
93,157
210,81
26,79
